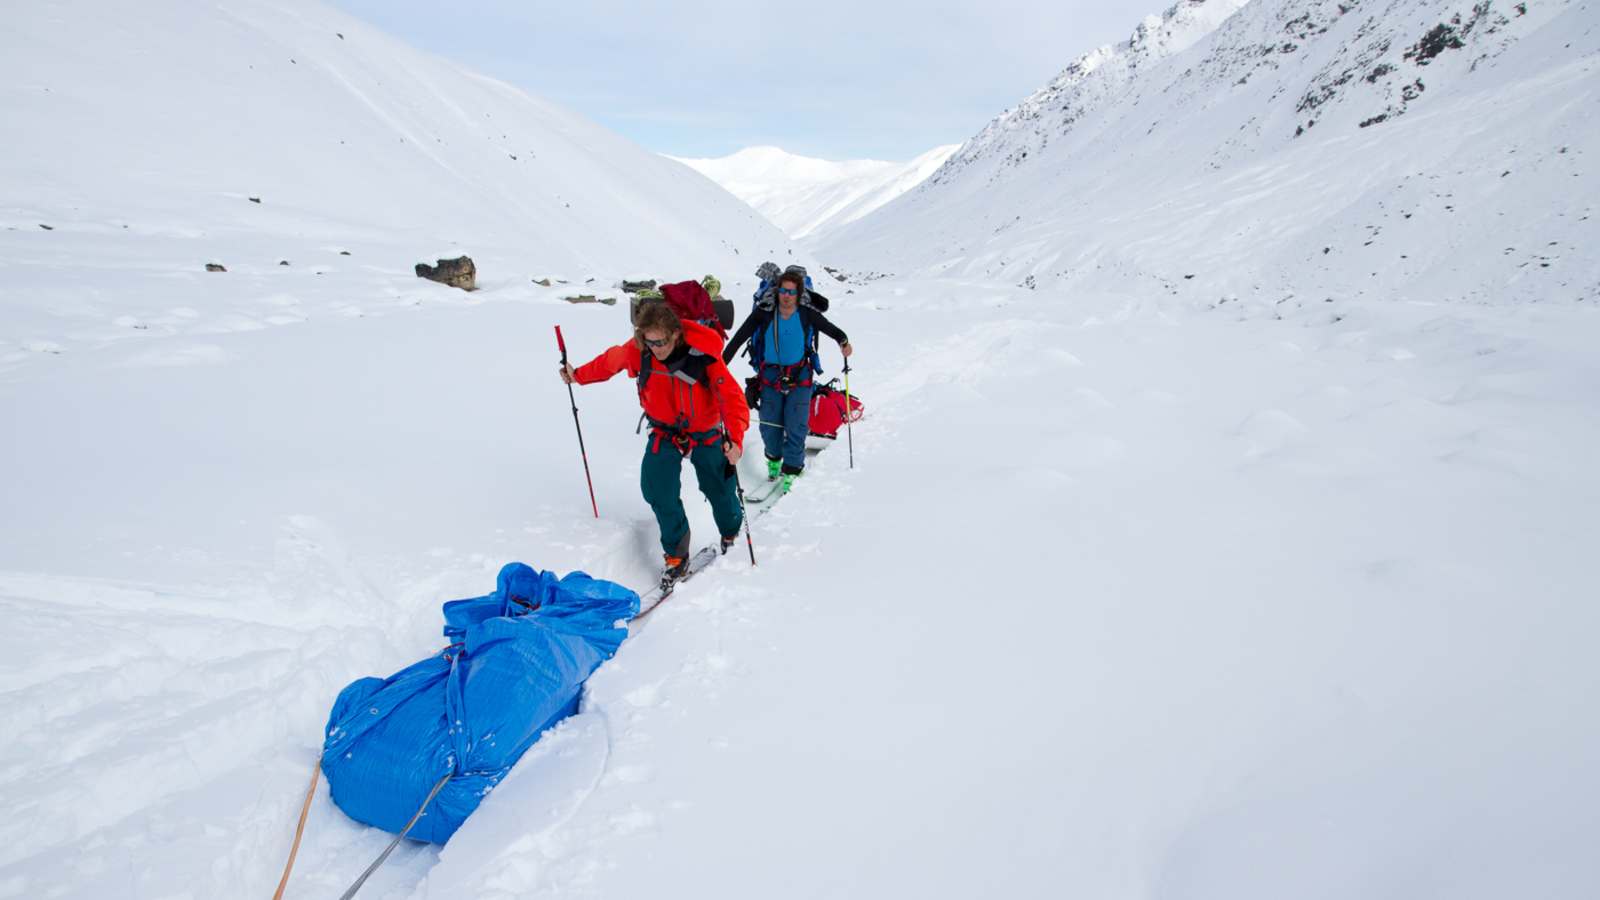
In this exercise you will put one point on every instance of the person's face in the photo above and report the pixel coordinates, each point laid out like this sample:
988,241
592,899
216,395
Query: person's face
660,342
788,296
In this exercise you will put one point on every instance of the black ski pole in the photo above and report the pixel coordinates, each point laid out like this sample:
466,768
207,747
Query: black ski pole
560,342
849,415
733,472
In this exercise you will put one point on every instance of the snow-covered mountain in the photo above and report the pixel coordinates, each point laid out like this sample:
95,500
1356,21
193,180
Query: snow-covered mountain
1305,149
153,138
809,197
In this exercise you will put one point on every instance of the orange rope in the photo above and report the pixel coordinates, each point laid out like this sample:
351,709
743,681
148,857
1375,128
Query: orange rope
299,830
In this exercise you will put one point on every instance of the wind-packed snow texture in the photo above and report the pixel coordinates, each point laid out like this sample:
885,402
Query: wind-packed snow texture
1273,582
808,197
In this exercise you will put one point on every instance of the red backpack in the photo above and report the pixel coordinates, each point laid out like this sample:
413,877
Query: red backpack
690,301
828,410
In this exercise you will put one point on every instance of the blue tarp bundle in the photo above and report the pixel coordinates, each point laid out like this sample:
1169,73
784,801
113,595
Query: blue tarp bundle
515,666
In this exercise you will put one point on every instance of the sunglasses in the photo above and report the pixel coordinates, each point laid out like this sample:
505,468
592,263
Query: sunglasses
661,343
787,292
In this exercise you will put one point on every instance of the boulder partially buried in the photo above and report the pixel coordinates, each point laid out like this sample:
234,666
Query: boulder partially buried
457,273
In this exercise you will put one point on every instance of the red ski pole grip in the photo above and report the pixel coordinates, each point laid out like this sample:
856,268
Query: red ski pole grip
559,342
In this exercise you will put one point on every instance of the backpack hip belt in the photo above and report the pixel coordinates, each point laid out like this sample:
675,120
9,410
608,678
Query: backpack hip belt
680,438
784,379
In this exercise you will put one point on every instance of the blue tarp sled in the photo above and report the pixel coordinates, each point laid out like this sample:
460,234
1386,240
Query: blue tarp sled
515,666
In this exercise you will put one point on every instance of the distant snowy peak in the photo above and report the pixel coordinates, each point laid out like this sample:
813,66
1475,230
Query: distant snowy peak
806,196
1087,83
768,165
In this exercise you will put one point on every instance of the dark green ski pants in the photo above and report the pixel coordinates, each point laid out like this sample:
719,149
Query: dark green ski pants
661,479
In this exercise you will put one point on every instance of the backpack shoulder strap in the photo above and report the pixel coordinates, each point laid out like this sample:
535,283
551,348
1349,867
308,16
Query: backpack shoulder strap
645,359
694,369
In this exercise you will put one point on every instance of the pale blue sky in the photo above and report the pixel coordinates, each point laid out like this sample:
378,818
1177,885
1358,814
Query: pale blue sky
830,78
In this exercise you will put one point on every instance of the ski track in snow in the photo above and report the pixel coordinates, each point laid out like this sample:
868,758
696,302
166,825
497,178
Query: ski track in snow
174,749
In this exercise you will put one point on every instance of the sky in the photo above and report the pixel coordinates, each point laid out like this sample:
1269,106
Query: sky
829,78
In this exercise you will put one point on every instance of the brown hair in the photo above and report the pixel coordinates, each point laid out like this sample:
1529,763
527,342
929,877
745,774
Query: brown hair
658,316
791,278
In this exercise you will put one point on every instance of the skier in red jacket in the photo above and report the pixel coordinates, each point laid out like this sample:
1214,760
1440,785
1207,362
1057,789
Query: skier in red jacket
695,409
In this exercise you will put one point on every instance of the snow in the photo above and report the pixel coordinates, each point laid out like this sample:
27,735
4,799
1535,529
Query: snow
1139,585
1136,603
1240,166
808,197
352,142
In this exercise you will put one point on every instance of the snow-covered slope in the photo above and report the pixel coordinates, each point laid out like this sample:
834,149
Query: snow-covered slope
809,197
138,133
1120,598
1295,150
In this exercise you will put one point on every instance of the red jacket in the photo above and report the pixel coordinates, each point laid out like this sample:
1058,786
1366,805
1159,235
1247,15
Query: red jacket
666,398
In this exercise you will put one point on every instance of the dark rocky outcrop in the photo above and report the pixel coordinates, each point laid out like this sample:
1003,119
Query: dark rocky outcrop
216,267
457,273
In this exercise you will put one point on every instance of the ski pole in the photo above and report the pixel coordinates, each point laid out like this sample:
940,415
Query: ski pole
733,472
574,400
849,415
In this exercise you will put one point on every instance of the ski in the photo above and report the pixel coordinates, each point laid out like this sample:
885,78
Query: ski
755,508
766,495
702,558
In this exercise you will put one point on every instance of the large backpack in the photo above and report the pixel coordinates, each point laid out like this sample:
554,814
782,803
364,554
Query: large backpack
690,301
766,294
829,412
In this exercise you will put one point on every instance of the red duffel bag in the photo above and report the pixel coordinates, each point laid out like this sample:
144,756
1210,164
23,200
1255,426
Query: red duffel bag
828,410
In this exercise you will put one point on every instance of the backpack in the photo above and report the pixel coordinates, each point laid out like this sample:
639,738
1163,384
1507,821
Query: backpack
828,410
766,294
690,301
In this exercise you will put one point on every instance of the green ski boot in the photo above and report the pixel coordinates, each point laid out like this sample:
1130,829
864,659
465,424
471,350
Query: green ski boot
774,469
787,483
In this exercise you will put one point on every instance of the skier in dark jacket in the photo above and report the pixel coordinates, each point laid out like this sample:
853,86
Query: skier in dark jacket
783,350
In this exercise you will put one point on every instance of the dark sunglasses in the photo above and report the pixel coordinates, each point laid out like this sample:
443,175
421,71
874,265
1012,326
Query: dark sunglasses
787,292
661,343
